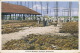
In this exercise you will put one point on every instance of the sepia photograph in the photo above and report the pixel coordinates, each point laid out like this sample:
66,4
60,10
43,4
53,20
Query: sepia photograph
39,25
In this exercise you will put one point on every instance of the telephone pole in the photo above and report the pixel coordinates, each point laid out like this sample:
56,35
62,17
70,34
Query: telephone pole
70,4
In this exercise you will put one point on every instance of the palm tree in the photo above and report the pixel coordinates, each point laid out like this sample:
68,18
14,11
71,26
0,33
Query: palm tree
21,3
47,8
70,4
36,10
32,5
17,2
28,4
36,6
41,8
57,11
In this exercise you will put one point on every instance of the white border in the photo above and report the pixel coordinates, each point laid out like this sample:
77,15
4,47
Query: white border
39,51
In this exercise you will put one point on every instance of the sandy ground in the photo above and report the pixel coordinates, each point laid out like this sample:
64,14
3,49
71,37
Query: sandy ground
30,30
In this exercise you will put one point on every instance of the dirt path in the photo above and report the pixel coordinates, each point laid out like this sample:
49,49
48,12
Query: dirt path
30,30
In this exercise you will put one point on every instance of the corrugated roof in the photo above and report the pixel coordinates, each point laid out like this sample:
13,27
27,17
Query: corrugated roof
12,8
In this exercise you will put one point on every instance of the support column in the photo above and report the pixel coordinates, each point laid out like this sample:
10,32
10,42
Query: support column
6,17
19,15
2,17
19,18
26,16
23,17
30,16
15,16
35,17
10,17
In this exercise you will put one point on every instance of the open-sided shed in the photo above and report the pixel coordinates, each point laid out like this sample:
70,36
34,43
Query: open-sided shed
8,9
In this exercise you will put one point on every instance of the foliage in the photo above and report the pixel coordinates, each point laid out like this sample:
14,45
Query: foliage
13,27
46,16
19,18
53,23
43,42
70,27
10,30
75,16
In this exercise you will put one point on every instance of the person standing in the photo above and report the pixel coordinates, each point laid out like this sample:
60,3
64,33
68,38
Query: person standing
45,21
39,20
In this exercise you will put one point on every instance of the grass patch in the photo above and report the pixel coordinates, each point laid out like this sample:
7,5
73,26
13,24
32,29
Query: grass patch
70,27
14,26
43,42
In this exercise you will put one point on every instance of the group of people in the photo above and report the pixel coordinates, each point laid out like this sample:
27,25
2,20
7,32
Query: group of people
45,21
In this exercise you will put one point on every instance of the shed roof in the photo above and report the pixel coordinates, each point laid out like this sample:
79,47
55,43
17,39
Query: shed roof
12,8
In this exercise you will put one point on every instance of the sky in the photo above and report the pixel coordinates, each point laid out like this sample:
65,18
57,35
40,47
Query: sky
51,6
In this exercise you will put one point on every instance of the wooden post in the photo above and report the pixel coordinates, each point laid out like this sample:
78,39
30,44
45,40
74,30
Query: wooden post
15,16
23,17
30,16
6,17
19,15
35,17
10,17
2,17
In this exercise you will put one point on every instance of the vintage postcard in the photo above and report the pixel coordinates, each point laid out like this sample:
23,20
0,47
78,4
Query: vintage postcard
39,26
